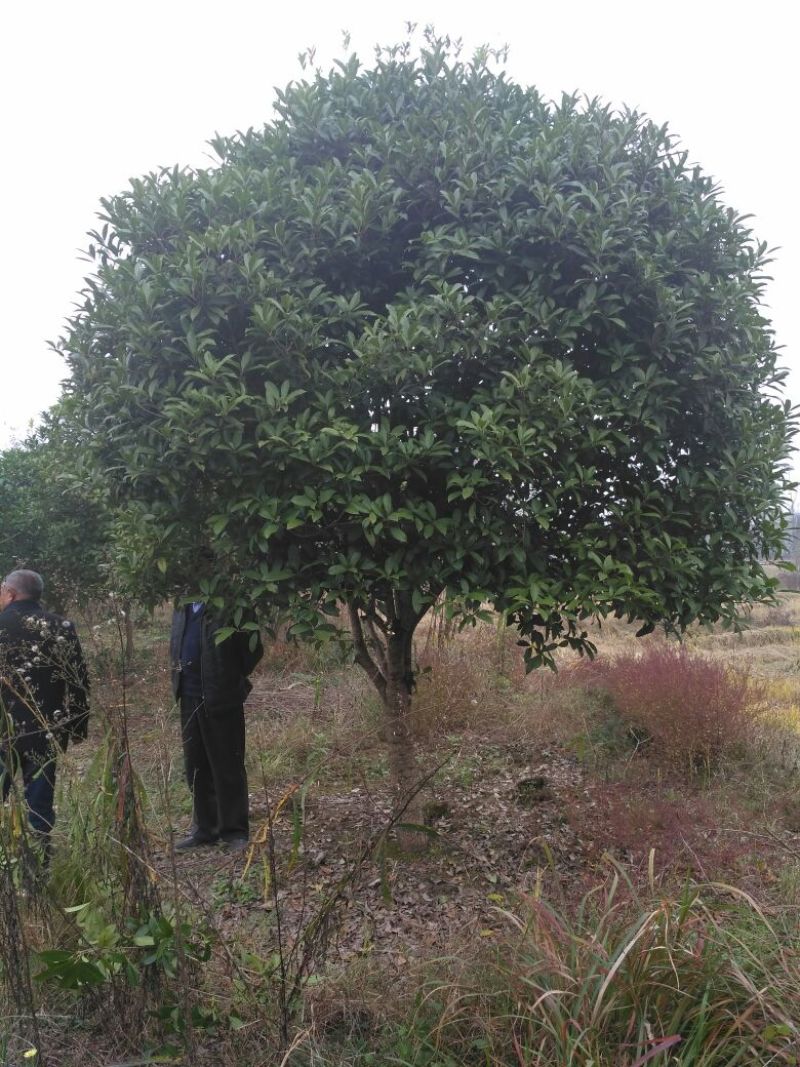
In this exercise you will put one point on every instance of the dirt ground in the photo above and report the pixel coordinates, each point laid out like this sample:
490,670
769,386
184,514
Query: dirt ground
506,816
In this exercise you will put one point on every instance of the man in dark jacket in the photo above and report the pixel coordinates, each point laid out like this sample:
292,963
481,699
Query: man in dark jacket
44,694
210,680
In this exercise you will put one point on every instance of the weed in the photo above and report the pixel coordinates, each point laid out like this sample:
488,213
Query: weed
627,977
106,952
226,889
684,708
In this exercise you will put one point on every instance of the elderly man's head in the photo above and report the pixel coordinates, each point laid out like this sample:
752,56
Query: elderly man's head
21,585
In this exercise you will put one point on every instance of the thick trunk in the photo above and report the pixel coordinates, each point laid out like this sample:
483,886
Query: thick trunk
397,707
383,648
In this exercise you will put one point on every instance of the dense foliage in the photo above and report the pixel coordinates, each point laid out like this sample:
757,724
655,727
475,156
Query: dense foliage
425,331
48,523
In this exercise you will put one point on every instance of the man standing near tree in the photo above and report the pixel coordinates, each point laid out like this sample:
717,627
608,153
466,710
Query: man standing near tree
210,680
44,694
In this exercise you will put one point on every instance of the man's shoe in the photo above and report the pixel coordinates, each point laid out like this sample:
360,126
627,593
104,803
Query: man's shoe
236,844
196,839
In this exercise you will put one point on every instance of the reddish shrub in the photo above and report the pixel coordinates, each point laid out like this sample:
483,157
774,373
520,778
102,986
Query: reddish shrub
686,828
689,710
631,821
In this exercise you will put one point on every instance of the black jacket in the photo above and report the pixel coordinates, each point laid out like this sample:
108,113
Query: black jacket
224,667
44,684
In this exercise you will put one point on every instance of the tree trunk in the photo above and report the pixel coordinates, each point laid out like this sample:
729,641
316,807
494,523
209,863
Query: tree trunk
399,738
383,647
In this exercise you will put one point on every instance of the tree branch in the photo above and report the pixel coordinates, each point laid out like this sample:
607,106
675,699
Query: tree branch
362,656
375,644
371,612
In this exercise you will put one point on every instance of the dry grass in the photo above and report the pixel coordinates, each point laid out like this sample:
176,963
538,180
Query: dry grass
314,720
465,683
621,982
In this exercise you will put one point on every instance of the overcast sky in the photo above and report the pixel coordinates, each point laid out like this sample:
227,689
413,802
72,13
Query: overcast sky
97,92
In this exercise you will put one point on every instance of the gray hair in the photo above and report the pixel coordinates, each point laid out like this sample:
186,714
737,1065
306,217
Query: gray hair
28,584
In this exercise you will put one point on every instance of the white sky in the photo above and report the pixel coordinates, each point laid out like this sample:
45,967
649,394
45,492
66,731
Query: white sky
97,91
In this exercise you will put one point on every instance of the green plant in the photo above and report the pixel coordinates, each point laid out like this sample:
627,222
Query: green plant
106,951
422,332
227,889
49,525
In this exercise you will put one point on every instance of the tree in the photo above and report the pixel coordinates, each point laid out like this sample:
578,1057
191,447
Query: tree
426,332
47,523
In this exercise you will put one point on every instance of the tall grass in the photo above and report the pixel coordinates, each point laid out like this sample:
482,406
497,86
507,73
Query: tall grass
703,978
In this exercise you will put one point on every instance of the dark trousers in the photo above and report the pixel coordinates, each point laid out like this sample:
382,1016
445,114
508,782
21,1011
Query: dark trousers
35,758
213,755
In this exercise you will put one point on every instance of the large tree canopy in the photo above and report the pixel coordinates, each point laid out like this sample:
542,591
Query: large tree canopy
426,331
